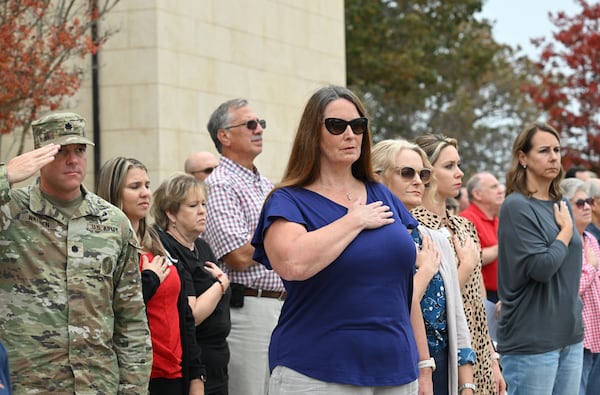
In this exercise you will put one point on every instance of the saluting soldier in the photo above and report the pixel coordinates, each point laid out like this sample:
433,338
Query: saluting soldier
72,315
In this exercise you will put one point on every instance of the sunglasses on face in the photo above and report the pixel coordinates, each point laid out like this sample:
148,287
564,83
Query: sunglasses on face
580,203
206,171
408,173
251,124
338,126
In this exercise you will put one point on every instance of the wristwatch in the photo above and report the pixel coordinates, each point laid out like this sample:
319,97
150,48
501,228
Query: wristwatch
427,363
469,386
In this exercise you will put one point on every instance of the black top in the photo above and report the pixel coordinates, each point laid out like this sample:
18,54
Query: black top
212,333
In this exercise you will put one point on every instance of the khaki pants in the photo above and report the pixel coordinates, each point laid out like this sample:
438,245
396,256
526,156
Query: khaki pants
285,381
251,328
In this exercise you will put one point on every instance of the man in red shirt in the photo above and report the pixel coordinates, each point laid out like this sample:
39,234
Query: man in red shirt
486,196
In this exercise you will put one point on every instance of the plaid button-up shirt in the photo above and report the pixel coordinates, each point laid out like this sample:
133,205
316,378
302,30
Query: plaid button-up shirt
235,198
589,290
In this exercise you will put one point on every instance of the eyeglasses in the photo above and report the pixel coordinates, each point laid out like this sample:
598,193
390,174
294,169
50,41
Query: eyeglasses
580,203
251,124
206,171
338,126
409,173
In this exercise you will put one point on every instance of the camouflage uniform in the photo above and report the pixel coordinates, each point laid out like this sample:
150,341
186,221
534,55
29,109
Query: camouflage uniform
71,310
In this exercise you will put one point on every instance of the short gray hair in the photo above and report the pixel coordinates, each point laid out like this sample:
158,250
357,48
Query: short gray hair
220,118
570,186
593,188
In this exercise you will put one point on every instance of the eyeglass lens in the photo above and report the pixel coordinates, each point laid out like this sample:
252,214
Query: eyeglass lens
409,173
251,124
580,203
338,126
208,170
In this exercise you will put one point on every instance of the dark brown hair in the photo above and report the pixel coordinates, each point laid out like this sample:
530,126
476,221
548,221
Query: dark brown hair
304,165
516,177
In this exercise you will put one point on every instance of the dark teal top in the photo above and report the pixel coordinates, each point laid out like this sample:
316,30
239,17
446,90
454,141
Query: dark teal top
538,279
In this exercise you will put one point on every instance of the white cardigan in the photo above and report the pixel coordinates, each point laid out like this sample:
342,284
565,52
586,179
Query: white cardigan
458,329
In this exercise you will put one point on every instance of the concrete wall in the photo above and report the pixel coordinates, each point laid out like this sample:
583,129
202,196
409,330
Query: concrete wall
171,63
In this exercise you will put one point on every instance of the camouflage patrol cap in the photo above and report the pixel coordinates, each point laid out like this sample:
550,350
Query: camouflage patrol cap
60,128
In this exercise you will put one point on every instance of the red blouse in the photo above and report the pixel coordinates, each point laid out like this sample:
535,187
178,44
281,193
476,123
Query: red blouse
163,320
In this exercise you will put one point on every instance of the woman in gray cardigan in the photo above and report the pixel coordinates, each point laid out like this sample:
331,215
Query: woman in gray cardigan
540,329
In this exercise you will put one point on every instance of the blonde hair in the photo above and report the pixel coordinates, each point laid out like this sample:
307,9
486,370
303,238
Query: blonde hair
109,186
433,144
167,198
385,152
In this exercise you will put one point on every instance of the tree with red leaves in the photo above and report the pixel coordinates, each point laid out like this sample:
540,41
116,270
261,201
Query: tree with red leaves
39,43
568,90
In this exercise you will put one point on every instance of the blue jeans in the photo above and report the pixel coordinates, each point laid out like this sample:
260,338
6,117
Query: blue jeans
440,375
556,372
590,375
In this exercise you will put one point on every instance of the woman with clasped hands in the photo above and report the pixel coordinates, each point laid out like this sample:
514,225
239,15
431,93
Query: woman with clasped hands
341,244
540,330
404,168
179,210
442,152
577,191
177,366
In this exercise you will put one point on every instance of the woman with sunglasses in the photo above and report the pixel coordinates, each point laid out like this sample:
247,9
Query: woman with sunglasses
589,286
341,244
442,152
176,367
404,168
540,330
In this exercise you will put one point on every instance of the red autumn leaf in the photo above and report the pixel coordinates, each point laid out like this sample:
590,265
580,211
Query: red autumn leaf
38,39
568,92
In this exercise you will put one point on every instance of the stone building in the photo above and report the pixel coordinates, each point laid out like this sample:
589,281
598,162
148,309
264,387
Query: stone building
172,62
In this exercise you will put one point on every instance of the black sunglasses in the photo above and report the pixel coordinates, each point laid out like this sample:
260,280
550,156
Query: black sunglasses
580,203
251,124
208,170
409,173
338,126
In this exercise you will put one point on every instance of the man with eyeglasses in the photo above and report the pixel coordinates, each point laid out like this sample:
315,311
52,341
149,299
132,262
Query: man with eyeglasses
200,164
236,193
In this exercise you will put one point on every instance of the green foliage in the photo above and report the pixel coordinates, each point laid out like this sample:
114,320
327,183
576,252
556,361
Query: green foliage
431,66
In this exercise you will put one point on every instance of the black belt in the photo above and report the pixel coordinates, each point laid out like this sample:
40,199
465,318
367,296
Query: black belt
261,293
